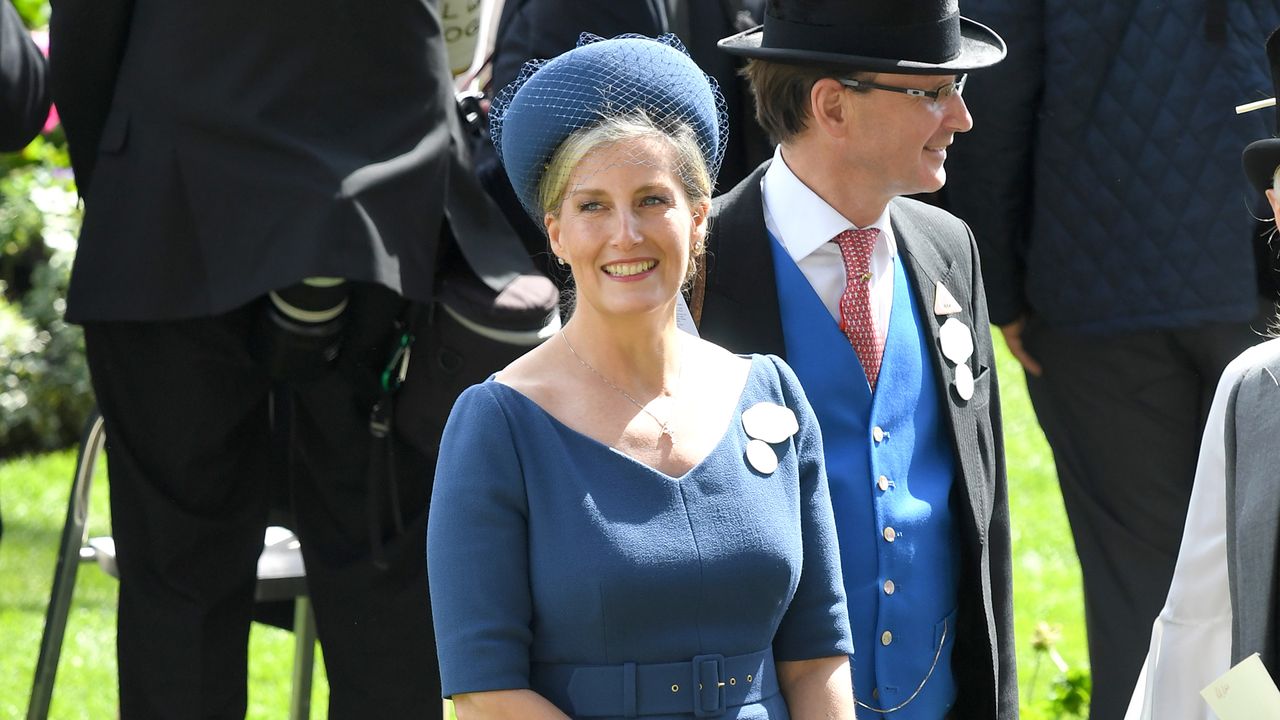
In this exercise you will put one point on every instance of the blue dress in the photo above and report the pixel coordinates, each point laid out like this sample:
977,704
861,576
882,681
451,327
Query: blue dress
550,550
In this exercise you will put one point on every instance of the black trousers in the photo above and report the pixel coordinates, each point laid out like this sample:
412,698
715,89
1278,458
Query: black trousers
1124,415
191,460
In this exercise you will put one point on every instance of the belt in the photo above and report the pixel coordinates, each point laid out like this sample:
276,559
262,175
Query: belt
706,685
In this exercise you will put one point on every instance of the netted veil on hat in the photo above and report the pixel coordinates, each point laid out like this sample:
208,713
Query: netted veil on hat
551,99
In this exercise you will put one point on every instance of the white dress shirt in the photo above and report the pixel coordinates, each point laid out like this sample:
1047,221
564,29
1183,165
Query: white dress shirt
805,225
1191,638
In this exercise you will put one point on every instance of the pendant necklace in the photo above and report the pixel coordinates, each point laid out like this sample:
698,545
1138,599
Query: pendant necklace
664,426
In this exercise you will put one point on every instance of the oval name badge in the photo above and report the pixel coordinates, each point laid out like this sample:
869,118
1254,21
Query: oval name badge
964,382
762,457
769,422
957,341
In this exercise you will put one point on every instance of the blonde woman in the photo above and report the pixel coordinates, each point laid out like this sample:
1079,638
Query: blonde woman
629,521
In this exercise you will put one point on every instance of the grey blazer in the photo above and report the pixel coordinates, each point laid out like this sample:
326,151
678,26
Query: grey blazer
1252,428
740,312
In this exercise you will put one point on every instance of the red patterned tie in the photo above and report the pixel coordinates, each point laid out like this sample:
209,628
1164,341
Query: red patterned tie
855,303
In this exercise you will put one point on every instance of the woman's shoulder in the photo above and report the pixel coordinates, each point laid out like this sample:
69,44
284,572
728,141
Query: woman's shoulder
1255,374
531,375
478,407
1259,358
777,372
767,376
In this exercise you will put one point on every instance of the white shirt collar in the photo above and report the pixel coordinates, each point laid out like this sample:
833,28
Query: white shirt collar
800,219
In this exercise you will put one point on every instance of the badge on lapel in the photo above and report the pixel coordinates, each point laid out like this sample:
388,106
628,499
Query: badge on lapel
944,303
766,424
956,340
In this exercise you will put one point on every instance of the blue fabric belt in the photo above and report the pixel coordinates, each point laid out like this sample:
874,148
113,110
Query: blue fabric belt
705,686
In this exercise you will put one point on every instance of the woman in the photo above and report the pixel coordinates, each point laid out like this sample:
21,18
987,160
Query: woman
1220,607
630,521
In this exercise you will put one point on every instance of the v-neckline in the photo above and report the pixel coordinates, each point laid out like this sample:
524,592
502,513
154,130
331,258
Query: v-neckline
724,437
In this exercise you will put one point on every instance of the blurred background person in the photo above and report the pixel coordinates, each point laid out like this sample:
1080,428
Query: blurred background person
275,200
1222,600
616,513
1119,261
24,89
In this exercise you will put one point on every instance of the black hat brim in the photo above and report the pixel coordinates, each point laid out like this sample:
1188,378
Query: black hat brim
1260,160
980,47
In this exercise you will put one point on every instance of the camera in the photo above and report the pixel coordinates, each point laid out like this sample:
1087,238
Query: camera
301,328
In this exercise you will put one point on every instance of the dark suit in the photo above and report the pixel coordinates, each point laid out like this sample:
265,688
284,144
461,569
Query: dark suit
226,149
24,92
741,313
248,145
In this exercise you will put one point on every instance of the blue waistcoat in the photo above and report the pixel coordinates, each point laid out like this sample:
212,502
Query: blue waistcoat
901,593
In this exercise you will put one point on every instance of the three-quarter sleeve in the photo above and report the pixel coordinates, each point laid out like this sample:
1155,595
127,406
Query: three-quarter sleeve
816,623
477,551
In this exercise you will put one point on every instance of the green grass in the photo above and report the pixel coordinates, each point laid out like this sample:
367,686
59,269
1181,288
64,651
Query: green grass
1046,574
33,496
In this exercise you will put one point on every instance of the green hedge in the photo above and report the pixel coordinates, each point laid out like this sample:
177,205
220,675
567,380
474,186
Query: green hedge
44,383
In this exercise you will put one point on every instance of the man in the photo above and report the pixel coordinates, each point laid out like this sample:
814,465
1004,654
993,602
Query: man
24,93
1116,235
876,301
265,184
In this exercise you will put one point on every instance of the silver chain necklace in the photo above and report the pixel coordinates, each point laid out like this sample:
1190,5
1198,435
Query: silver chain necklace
664,426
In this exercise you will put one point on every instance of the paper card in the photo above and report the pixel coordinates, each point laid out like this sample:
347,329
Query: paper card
684,318
1245,692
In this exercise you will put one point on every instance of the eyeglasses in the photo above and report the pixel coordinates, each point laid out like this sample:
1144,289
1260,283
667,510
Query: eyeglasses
938,96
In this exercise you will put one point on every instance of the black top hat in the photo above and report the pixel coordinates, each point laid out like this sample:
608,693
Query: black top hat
925,37
1262,157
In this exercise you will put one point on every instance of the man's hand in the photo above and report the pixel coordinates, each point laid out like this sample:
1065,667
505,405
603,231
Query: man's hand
1013,338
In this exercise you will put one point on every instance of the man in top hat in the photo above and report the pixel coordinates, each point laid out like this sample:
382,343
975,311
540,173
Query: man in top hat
876,301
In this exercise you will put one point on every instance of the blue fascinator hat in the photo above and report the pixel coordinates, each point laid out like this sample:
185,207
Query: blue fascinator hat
551,99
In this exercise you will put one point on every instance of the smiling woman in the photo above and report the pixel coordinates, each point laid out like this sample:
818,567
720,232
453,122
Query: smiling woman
612,490
631,183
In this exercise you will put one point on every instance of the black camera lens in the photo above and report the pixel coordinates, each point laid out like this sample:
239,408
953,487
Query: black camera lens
303,333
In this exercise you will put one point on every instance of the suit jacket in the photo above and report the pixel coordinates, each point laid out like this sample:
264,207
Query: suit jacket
229,148
740,312
24,92
1253,509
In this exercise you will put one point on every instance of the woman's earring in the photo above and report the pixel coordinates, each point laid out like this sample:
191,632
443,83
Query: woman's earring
561,261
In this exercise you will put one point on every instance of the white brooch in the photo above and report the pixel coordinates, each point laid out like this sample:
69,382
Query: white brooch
957,346
766,424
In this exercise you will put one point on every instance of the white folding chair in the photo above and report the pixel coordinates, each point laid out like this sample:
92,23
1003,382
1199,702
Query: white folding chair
281,576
